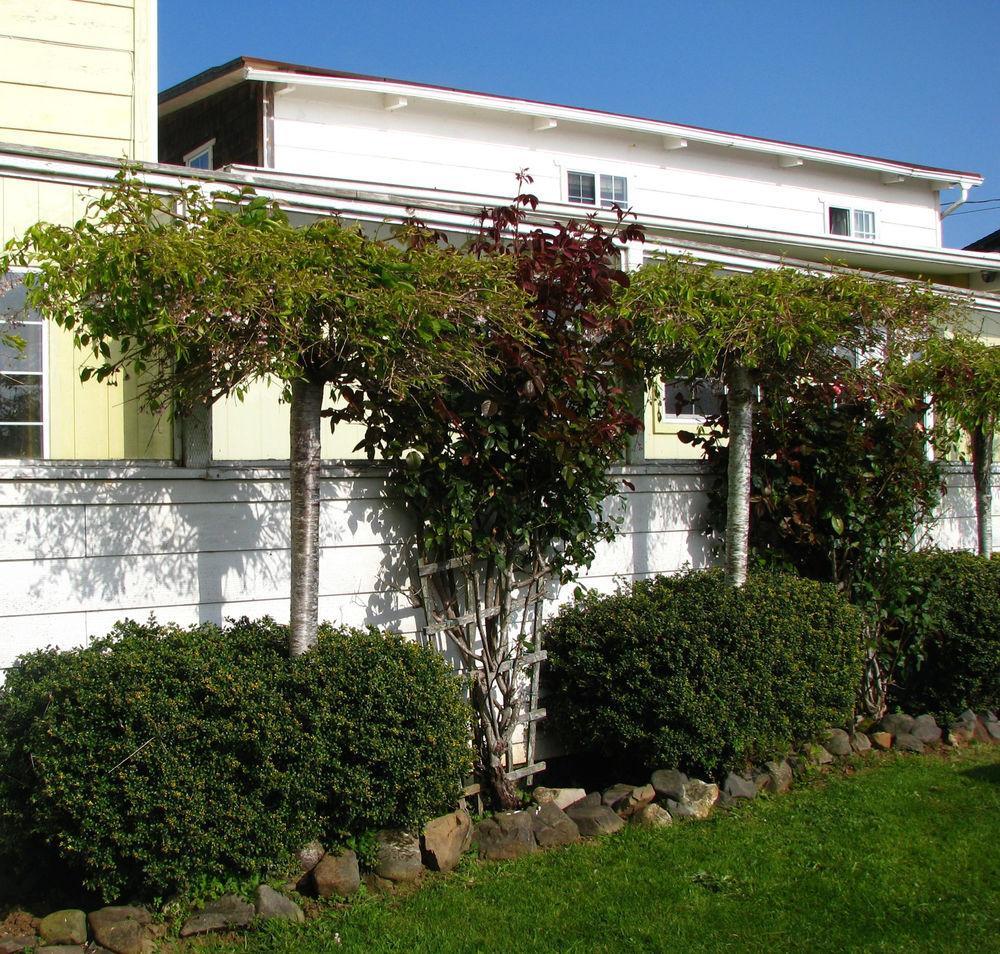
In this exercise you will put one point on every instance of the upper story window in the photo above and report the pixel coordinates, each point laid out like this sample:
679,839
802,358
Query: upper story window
582,189
202,157
22,372
856,223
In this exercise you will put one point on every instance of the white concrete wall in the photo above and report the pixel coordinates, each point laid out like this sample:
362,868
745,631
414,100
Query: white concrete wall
80,551
351,135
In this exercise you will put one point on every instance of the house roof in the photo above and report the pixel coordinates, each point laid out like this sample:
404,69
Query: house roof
988,243
243,68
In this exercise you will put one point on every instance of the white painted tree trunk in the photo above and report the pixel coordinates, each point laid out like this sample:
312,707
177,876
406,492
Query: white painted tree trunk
739,399
307,402
982,472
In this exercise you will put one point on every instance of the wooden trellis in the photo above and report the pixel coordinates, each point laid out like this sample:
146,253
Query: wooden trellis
493,620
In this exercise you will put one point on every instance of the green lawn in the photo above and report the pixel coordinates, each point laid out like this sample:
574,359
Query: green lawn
904,855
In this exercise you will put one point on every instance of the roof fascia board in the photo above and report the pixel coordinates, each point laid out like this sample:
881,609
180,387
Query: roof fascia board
606,120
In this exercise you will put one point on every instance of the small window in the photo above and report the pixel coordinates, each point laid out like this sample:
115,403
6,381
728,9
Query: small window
854,223
582,188
21,375
692,399
202,157
614,191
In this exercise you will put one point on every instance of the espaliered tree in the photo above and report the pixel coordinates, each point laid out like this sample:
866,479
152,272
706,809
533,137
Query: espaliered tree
201,295
783,326
961,375
507,482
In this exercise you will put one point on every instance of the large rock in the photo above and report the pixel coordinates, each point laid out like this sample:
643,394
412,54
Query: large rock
68,926
652,816
226,914
309,856
882,740
861,743
552,826
268,903
593,820
837,742
780,775
736,786
926,729
62,949
337,875
561,797
444,839
626,800
14,945
506,835
697,800
979,731
906,742
896,723
669,783
123,930
993,729
397,855
816,754
959,734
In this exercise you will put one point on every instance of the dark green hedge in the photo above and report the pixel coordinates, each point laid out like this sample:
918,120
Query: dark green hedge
950,620
162,755
685,672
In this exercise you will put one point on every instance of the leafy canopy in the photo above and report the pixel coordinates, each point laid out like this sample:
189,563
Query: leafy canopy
203,294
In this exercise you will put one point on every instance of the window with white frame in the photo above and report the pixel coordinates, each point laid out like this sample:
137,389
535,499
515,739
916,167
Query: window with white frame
582,189
202,157
22,373
855,223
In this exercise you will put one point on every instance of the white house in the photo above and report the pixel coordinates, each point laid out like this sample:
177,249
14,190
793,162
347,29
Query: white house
113,514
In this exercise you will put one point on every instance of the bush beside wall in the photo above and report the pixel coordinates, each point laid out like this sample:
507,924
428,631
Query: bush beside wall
160,754
685,672
950,620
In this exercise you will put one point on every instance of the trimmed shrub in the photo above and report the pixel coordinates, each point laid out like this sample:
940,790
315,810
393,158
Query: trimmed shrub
686,672
950,622
162,756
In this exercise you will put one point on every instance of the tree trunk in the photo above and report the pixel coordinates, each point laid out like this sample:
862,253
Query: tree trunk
307,402
982,466
739,400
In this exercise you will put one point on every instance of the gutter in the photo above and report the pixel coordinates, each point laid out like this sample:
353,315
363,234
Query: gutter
961,200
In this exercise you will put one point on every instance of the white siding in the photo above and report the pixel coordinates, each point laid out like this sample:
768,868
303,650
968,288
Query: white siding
351,136
81,552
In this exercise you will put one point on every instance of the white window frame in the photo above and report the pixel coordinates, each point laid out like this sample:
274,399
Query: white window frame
598,202
46,391
665,421
206,148
852,213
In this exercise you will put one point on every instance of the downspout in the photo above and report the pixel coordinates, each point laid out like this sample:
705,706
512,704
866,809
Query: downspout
961,200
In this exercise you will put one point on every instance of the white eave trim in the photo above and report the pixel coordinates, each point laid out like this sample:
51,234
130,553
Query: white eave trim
568,114
382,202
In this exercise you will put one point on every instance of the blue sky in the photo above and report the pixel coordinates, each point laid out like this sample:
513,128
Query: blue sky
914,80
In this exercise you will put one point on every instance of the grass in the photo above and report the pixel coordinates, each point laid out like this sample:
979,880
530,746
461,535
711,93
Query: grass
902,854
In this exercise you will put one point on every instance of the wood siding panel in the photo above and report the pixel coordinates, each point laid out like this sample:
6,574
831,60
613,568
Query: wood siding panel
66,67
73,112
71,22
233,118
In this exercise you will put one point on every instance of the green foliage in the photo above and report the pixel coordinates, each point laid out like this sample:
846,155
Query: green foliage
840,484
698,320
685,671
962,376
201,294
948,610
162,758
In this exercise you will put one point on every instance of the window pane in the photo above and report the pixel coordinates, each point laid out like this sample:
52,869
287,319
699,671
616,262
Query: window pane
582,188
614,191
702,398
30,359
840,221
677,398
201,161
864,224
21,398
20,441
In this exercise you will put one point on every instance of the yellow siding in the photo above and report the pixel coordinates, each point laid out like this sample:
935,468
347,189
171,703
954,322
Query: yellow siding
257,429
661,438
79,75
